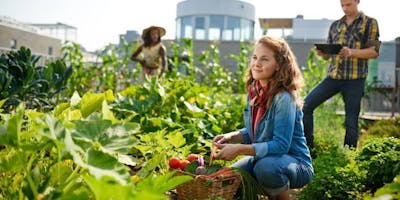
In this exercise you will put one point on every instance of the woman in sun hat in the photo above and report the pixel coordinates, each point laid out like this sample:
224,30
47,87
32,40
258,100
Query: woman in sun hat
152,53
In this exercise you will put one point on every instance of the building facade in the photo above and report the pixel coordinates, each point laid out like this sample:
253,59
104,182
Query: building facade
14,34
221,20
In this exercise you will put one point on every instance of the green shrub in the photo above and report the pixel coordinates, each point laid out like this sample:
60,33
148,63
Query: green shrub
22,80
326,176
380,157
391,189
385,128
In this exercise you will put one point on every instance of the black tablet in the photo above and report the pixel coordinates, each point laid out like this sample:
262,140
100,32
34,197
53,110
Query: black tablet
329,48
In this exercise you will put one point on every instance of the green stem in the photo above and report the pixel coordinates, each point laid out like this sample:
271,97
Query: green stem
30,180
70,179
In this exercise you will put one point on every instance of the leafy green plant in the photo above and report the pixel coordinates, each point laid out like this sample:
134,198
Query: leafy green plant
242,65
390,190
314,71
214,74
385,128
73,155
380,157
23,81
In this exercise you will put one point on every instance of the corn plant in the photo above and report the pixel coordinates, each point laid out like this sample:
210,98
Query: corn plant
242,65
214,74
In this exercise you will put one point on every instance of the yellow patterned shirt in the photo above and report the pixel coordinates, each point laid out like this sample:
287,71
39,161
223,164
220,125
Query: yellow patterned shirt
362,33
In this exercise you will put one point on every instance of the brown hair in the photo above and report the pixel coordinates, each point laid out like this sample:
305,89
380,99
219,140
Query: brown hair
288,76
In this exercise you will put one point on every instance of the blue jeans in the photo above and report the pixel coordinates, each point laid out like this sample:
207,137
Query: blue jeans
352,92
277,173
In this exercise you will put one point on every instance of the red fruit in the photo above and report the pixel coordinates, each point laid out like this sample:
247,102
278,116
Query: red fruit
174,163
192,157
183,164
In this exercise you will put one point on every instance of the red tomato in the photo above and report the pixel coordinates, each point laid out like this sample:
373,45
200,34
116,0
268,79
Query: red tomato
174,163
183,164
192,157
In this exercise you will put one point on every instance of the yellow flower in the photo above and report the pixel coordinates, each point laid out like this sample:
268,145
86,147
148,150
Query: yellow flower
135,179
192,100
40,196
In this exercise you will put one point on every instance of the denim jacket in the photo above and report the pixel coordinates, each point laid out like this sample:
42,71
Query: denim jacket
280,131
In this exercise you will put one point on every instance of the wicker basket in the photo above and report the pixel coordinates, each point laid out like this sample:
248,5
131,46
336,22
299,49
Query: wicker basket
205,188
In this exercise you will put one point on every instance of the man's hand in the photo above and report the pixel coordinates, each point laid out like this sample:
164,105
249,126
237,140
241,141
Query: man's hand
346,51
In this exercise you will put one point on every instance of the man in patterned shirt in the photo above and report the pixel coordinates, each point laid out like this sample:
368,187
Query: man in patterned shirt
359,36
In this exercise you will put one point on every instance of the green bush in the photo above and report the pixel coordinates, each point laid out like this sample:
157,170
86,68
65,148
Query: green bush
385,128
21,80
391,190
380,157
329,179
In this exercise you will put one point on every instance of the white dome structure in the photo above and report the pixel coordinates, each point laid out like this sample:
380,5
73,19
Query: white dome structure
227,20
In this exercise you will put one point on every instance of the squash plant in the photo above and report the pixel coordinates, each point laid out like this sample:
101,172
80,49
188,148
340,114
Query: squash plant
78,151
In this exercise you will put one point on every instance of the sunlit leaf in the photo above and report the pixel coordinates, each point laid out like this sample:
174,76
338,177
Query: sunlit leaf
75,99
101,164
128,160
90,103
60,108
151,164
176,139
108,188
194,110
107,113
109,96
163,183
11,130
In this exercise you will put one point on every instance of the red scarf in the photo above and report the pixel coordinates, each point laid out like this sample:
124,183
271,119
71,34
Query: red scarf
258,102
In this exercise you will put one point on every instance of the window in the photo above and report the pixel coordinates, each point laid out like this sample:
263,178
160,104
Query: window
178,28
216,27
232,31
186,27
50,51
247,30
13,44
199,32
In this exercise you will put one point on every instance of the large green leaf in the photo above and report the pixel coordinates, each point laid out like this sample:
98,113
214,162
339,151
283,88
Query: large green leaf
162,184
176,139
101,164
194,110
110,137
108,188
11,130
90,103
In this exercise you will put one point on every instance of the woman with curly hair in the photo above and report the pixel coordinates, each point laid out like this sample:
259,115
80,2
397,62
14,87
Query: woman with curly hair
272,142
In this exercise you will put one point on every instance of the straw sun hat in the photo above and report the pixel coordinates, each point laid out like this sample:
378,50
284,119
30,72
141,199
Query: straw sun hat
160,29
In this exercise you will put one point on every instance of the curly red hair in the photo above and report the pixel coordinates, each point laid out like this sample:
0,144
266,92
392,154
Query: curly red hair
288,77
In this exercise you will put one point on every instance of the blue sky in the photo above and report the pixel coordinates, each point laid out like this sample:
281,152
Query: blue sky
100,22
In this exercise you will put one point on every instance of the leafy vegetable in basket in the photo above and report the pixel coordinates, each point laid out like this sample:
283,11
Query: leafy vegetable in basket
200,167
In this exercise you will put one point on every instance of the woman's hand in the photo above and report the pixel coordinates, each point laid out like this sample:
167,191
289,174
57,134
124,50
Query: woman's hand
227,151
231,137
221,139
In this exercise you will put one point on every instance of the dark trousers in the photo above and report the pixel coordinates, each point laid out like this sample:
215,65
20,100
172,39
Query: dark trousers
352,92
